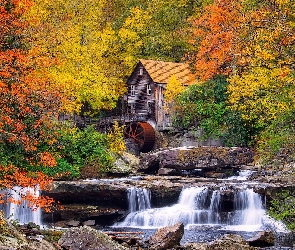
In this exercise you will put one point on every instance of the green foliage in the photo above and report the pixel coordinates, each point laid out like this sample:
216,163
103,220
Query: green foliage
283,208
78,148
202,106
52,235
279,136
236,131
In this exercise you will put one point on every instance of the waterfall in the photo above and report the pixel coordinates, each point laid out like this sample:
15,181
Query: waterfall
22,212
138,199
248,207
214,209
196,206
248,214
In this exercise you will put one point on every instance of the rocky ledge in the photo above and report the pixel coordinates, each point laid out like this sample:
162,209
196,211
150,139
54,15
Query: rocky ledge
202,161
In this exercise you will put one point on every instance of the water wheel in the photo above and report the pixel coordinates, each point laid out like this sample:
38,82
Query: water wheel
143,135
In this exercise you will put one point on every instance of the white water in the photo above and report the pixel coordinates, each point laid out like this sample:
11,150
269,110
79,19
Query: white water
243,175
139,199
248,211
22,212
199,206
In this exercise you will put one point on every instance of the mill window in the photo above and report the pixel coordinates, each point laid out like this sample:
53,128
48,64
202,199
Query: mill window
132,108
132,90
149,107
140,71
148,89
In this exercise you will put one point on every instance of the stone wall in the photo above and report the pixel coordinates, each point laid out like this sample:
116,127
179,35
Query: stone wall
173,139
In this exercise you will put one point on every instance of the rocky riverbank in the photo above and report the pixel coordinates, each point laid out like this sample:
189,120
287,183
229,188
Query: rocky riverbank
86,238
104,201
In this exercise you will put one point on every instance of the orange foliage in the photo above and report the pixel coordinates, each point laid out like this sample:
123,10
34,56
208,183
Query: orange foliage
214,34
12,176
28,102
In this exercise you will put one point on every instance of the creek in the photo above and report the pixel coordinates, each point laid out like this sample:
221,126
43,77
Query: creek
207,209
204,213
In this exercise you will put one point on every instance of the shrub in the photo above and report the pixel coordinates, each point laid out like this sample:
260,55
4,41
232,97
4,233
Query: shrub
283,208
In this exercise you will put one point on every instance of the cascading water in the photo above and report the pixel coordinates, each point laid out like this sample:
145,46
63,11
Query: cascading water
197,206
248,211
139,199
22,212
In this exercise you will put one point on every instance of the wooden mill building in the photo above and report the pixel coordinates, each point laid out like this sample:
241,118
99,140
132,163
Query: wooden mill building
146,90
145,100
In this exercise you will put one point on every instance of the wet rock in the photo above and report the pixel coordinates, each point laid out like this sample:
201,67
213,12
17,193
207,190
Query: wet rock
12,239
221,160
73,223
230,242
196,246
125,164
168,171
166,237
87,238
94,193
149,163
89,223
262,239
227,241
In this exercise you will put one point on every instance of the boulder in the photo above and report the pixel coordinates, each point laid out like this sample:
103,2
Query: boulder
87,238
73,223
149,163
221,160
12,239
227,241
166,237
230,242
89,223
125,164
195,246
262,239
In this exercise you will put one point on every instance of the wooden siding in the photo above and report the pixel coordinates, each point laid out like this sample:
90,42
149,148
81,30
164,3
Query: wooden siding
142,102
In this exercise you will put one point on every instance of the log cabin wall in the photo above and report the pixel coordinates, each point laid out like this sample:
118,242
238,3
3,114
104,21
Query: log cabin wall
141,95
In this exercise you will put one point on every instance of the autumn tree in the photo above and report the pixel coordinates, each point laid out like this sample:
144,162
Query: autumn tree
27,106
252,43
97,43
263,90
173,89
90,68
214,35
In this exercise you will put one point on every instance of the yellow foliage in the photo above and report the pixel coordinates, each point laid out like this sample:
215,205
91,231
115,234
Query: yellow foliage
262,94
86,49
116,139
173,89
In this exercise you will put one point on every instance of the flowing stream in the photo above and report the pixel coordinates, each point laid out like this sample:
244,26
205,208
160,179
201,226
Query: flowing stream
205,214
196,206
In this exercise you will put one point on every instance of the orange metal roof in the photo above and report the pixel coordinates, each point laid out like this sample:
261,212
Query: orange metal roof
161,72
